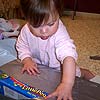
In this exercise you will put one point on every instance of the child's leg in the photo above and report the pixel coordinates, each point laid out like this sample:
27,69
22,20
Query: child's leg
86,74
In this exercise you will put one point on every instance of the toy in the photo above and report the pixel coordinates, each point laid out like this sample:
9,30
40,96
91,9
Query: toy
9,27
11,87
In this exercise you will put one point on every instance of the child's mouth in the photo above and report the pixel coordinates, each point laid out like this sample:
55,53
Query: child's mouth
44,37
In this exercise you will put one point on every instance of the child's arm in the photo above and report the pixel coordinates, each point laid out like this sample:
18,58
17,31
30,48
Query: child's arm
64,90
30,66
69,70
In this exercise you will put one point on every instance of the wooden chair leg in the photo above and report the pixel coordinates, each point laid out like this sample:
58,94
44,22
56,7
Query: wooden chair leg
74,10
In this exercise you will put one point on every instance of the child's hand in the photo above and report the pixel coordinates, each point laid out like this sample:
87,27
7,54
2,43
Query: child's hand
63,92
30,66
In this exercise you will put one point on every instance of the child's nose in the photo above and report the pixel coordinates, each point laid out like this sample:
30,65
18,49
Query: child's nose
44,29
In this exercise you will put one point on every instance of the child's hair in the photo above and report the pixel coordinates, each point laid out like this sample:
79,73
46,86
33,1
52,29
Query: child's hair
38,11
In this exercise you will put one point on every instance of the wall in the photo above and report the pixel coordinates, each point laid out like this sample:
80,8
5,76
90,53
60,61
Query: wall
91,6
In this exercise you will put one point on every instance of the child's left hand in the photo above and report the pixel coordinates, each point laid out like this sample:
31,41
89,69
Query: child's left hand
63,92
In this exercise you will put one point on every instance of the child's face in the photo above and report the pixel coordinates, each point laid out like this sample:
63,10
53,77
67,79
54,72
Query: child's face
44,31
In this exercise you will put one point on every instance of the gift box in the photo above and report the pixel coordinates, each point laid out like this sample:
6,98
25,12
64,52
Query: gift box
11,87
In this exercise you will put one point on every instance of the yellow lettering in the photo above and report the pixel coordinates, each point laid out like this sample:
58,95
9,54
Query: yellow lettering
24,87
15,84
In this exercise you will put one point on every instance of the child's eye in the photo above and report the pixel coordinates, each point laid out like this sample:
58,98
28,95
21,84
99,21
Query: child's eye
36,26
51,24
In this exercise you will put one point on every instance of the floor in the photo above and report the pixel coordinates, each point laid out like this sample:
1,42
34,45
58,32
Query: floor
85,31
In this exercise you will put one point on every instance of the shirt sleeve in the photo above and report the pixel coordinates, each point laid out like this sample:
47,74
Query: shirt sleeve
64,45
22,45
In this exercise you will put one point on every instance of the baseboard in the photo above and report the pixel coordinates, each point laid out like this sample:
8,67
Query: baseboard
81,13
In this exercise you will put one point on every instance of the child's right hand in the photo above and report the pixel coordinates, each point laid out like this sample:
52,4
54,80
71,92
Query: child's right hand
63,92
30,66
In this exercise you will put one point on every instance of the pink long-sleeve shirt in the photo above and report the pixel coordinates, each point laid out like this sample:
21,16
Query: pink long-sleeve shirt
50,52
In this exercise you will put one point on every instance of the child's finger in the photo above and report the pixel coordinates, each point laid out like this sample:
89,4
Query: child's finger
36,70
23,70
54,94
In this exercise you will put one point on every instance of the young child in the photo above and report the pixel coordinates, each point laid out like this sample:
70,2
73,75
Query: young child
45,40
